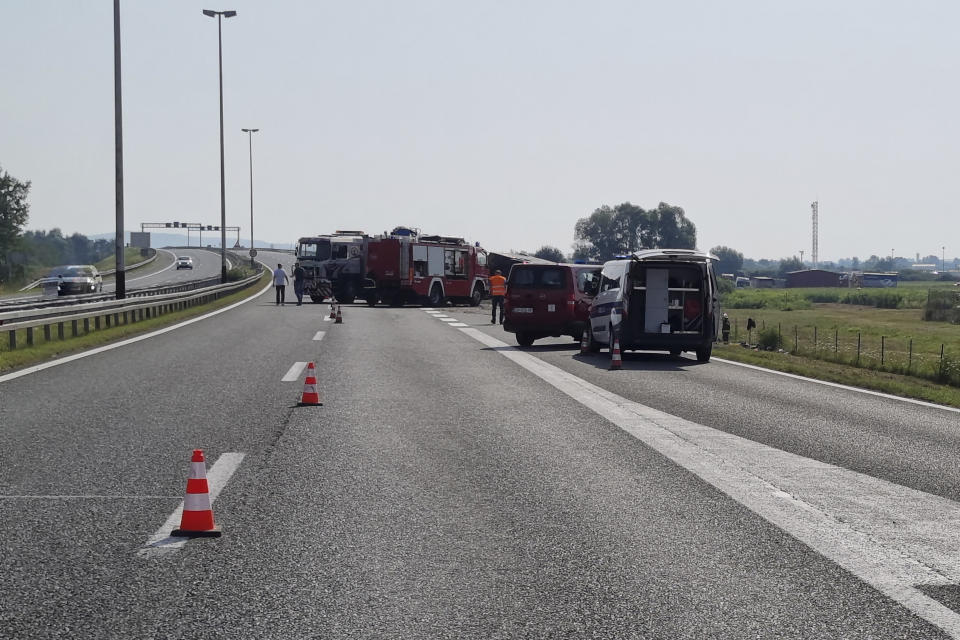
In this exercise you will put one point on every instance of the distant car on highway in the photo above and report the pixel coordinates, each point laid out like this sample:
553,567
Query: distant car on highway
76,278
184,262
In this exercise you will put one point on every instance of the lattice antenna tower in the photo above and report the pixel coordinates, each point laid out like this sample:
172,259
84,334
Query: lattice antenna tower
815,206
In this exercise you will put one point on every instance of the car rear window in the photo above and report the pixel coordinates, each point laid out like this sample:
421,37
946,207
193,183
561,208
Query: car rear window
537,278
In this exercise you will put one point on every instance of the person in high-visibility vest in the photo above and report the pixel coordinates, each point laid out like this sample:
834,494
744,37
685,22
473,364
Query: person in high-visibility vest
498,290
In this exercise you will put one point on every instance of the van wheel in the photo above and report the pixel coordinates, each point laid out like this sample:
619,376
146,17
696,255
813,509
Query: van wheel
436,296
524,339
703,353
476,296
592,345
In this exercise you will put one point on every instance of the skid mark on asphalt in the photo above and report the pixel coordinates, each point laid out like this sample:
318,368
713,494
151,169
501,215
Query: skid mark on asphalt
894,538
161,542
294,373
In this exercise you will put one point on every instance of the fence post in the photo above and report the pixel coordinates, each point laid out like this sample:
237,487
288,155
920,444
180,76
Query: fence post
836,340
858,348
779,335
910,356
941,361
736,329
815,346
883,346
796,339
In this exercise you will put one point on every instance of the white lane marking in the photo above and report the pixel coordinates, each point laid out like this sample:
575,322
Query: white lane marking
150,275
85,497
327,319
458,324
319,335
161,542
891,537
426,309
837,385
441,317
294,373
123,343
447,319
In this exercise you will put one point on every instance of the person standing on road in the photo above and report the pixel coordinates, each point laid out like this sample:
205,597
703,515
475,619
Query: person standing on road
498,291
298,276
280,281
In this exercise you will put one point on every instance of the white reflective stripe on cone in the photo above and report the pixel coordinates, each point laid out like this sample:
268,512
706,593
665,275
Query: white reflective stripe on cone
196,502
198,470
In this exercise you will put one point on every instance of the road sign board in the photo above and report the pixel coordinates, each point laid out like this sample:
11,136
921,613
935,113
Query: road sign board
253,253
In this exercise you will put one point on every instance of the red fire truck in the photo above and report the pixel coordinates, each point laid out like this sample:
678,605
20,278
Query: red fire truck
407,267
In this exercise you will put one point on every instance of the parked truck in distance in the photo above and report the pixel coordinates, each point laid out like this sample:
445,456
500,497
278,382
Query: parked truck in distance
405,266
334,265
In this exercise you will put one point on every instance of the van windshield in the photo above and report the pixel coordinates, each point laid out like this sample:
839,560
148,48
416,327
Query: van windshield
537,278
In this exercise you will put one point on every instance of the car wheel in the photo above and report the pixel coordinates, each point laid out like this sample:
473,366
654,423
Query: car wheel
436,296
476,296
524,339
372,300
610,341
703,353
592,345
675,352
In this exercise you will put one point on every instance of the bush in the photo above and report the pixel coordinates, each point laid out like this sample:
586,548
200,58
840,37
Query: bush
725,286
942,306
769,338
239,273
880,298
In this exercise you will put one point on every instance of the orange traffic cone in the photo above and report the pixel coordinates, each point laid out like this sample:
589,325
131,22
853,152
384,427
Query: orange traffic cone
310,397
197,519
615,361
584,344
339,319
333,312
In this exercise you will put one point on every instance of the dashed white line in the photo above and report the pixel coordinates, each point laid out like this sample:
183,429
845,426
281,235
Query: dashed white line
458,324
161,542
319,335
294,373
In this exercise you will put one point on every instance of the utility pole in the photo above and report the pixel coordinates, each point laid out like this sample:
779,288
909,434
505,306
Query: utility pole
121,275
815,206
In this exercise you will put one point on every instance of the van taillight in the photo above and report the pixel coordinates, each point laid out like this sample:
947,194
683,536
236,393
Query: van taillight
571,299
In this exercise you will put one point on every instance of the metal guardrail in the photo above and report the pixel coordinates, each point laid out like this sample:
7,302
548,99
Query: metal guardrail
129,309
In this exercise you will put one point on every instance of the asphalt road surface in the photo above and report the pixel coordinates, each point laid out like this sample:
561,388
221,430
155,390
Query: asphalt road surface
455,486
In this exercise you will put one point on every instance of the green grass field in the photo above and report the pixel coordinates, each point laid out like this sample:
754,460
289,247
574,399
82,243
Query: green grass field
894,340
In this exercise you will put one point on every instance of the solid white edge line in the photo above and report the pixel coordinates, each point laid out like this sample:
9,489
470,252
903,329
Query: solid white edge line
161,542
617,410
123,343
293,374
319,335
837,385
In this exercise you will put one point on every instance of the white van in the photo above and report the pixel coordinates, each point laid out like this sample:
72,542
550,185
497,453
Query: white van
658,299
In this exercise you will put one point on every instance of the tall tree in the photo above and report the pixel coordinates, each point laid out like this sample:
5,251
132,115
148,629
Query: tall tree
790,264
14,212
729,260
546,252
627,228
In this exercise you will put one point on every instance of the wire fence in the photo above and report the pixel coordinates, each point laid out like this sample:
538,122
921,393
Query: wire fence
894,354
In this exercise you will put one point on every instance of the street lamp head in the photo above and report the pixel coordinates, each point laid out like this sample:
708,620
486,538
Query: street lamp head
208,12
229,14
214,14
249,130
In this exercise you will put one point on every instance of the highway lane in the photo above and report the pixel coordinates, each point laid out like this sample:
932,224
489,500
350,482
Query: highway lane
442,491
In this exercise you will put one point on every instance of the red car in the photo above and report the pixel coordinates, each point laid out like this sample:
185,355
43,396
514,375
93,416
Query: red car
545,300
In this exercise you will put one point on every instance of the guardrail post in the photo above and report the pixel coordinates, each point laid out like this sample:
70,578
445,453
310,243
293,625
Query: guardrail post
96,323
73,325
60,331
46,333
30,338
86,326
13,339
116,319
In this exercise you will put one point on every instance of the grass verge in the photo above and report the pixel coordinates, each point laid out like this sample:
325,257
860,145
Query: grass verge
43,351
883,381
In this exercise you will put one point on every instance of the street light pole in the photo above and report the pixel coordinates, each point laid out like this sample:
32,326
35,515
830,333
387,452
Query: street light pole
250,133
223,190
120,278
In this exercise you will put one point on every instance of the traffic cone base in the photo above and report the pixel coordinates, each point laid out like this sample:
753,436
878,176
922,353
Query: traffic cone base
339,319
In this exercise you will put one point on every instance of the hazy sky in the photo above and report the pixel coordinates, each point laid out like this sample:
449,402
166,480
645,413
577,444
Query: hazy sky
499,121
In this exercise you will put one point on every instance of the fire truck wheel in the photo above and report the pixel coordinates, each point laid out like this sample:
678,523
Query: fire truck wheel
436,296
476,296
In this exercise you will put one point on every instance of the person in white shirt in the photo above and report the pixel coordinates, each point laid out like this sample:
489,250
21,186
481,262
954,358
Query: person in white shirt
280,281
